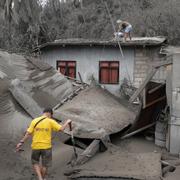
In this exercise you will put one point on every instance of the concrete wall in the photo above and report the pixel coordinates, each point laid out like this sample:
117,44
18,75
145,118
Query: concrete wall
134,66
87,61
174,133
144,57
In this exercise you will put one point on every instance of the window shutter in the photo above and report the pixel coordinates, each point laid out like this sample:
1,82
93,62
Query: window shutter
109,72
104,76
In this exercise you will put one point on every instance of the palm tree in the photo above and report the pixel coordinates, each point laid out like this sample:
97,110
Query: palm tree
27,11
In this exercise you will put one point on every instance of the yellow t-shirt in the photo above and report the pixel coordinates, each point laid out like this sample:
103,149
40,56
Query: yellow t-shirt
42,132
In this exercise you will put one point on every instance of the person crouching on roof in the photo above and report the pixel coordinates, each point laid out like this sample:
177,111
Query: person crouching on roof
41,131
125,28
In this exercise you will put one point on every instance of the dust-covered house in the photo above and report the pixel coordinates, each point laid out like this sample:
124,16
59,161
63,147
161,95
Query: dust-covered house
107,61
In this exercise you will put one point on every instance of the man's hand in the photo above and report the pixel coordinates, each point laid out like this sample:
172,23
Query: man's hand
69,121
66,124
18,146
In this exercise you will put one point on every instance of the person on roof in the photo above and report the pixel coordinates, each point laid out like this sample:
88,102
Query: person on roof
125,29
41,131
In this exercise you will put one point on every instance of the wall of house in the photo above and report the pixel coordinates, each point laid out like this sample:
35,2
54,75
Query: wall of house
87,61
174,124
144,57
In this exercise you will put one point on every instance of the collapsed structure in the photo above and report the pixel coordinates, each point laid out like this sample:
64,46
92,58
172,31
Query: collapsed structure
29,85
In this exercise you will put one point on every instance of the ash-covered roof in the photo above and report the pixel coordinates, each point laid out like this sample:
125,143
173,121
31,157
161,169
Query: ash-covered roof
96,113
136,41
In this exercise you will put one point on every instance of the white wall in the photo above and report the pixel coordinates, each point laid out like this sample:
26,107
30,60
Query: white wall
175,107
87,61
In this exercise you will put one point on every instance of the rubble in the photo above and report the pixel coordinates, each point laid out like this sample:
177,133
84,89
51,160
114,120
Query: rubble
27,86
115,164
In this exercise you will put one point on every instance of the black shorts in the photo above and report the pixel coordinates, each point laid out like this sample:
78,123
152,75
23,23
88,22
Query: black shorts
44,154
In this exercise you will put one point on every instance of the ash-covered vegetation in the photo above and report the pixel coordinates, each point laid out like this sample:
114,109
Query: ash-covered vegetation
27,23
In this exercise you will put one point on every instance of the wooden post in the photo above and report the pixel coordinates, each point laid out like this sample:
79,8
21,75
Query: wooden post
139,130
139,90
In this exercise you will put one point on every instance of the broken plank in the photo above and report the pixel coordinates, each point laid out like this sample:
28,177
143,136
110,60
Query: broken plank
175,162
154,102
155,89
80,78
144,97
138,131
162,63
142,86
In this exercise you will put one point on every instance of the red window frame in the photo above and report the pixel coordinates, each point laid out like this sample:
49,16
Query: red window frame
109,72
67,68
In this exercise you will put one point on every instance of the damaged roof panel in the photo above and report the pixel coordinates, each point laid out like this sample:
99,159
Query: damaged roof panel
96,113
34,85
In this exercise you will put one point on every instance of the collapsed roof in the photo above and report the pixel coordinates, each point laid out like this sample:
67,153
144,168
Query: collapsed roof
96,113
35,85
26,88
28,85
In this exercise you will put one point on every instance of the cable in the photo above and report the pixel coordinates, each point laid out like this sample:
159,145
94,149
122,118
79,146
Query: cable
120,48
110,17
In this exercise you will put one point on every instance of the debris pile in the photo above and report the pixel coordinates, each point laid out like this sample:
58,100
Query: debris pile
27,86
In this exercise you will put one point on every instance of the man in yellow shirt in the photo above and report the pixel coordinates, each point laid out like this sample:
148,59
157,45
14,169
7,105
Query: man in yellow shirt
41,130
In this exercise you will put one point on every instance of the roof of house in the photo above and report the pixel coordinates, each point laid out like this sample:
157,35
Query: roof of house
136,41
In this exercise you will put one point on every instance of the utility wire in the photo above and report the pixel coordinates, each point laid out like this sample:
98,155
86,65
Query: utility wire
120,48
110,17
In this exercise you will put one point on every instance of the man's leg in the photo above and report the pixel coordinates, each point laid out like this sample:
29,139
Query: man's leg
125,36
44,171
46,161
35,157
37,169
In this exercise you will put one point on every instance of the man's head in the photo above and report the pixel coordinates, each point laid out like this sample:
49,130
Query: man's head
119,21
48,112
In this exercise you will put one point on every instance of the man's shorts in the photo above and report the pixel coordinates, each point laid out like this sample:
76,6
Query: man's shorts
44,154
128,29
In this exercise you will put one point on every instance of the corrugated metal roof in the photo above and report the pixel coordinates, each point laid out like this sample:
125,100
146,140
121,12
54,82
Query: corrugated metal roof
136,41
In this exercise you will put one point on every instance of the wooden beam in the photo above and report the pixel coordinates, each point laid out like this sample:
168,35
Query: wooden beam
154,102
144,97
80,77
139,90
138,131
162,63
155,89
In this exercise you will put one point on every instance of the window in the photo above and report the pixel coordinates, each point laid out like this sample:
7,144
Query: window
67,68
109,72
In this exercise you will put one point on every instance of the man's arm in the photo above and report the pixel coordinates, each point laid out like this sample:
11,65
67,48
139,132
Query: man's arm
65,125
26,136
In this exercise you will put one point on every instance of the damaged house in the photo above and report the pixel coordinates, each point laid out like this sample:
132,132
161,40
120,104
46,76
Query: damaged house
103,60
110,63
27,85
